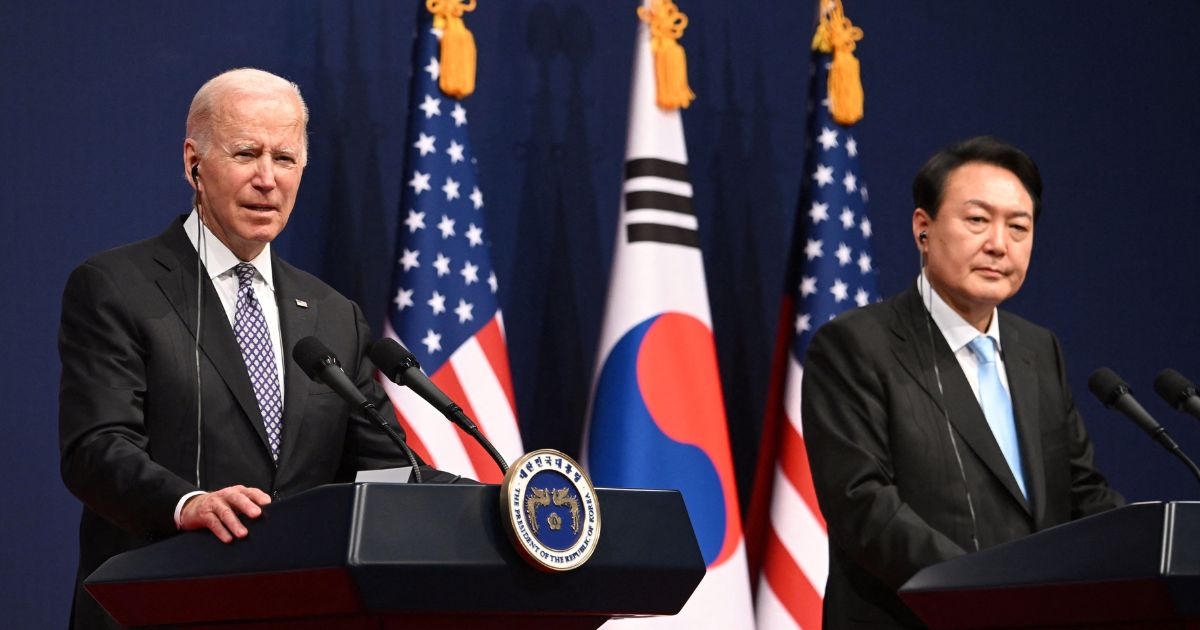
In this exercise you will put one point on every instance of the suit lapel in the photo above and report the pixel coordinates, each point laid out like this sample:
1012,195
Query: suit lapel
217,342
1023,386
958,401
297,320
914,346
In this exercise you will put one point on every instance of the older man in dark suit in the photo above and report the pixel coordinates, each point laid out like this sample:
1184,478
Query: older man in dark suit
180,405
935,423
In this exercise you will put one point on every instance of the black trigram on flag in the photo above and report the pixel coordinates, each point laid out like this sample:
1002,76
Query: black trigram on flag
658,203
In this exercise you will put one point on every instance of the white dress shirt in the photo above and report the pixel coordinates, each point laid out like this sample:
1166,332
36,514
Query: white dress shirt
958,333
220,263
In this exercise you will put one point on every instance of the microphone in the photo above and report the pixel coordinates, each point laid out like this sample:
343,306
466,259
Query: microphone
1179,392
400,366
322,366
1114,392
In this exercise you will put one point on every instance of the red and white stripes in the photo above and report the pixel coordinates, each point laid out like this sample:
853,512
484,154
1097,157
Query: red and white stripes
795,557
477,377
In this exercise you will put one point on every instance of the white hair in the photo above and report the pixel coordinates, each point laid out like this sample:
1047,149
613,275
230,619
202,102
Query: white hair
238,80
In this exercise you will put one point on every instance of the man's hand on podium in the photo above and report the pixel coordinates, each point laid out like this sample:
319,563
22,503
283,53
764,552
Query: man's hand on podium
217,511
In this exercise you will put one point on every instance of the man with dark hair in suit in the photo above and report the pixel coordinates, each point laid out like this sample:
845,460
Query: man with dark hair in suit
936,424
149,445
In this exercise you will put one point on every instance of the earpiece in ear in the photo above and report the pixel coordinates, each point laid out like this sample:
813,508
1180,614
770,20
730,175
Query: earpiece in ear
196,193
921,237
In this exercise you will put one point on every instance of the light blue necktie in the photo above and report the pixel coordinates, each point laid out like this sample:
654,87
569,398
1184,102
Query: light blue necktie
997,407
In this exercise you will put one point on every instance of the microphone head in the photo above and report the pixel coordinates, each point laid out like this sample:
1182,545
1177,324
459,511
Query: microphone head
1107,386
312,356
392,358
1174,387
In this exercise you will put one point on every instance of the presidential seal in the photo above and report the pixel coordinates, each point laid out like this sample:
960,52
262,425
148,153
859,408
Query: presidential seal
550,510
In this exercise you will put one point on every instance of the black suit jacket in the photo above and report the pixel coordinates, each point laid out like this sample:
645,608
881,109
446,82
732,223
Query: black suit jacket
128,397
881,443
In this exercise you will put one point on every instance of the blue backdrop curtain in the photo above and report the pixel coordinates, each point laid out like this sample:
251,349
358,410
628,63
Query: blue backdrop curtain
94,97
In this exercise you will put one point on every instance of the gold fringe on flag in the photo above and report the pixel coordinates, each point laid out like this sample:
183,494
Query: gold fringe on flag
457,65
836,34
670,63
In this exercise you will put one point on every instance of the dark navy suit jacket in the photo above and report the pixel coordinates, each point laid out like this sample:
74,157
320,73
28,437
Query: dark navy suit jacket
128,399
878,435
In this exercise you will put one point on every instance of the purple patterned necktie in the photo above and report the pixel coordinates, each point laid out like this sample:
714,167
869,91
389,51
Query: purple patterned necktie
250,328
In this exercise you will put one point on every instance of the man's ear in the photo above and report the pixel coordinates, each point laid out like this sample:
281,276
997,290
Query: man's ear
920,227
191,163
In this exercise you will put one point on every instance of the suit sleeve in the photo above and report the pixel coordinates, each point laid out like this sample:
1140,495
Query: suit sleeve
845,420
102,434
1090,492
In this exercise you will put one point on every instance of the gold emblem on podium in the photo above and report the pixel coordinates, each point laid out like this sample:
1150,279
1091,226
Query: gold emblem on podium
550,510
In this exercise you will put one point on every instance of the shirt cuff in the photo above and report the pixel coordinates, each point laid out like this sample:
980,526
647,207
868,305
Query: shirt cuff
179,506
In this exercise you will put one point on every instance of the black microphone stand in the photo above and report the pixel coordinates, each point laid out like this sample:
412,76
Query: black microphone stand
374,414
455,414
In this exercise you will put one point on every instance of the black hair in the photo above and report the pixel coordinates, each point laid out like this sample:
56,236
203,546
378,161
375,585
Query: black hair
929,185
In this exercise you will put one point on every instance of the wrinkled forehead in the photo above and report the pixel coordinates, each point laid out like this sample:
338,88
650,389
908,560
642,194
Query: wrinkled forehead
275,116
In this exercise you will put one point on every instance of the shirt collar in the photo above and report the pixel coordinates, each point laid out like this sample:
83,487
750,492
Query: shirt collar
220,260
955,329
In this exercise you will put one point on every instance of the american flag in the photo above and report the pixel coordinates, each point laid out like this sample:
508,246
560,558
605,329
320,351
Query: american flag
831,270
444,305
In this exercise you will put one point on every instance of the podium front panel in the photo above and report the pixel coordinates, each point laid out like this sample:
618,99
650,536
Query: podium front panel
382,551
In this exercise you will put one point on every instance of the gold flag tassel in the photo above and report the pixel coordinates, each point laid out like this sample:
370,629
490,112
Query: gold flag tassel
670,63
457,65
836,34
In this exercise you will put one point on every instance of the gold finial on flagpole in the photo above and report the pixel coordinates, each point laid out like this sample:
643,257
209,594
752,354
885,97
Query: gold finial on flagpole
836,34
457,63
670,63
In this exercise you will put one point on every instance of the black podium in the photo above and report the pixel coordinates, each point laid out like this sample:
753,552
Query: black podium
1137,566
404,556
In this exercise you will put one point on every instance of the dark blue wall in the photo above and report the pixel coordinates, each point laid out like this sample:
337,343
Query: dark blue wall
1102,95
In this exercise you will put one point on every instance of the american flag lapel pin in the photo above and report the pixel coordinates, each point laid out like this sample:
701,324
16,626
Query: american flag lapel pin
301,303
